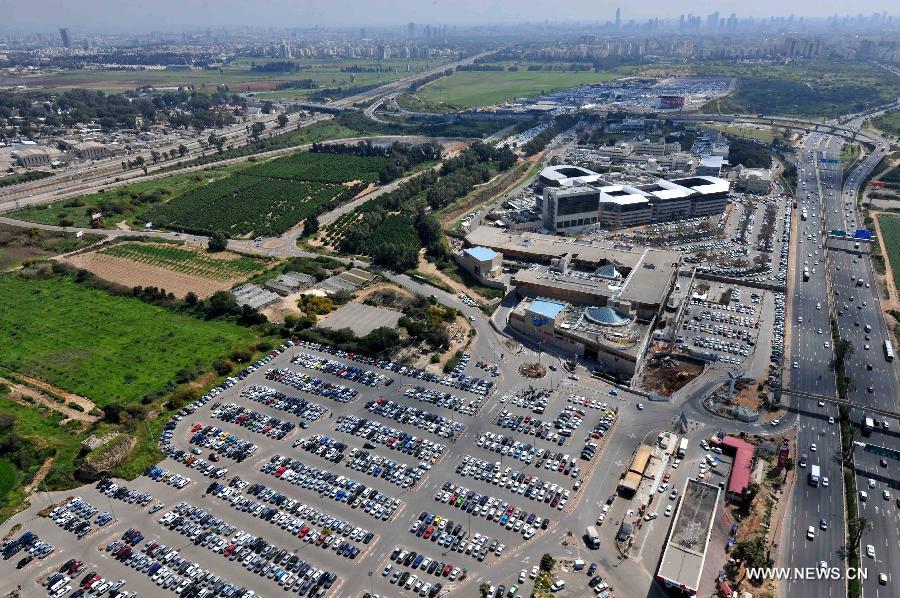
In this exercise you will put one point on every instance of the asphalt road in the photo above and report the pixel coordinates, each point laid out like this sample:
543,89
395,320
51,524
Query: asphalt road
876,386
809,505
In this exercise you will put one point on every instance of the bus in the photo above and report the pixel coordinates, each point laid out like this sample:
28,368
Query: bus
814,474
888,350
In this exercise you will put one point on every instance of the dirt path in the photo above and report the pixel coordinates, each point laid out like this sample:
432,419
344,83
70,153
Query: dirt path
430,269
39,476
48,401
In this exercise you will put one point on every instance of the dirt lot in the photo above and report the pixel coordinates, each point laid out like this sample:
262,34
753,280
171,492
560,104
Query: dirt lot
130,273
665,377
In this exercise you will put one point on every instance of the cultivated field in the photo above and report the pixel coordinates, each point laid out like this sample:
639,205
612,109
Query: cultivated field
321,168
269,198
130,203
178,270
103,347
242,205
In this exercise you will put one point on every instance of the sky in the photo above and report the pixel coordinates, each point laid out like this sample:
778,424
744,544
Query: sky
169,15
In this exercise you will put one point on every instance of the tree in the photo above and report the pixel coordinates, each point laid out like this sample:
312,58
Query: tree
154,155
256,130
182,150
547,563
282,120
858,526
484,588
310,226
217,242
217,141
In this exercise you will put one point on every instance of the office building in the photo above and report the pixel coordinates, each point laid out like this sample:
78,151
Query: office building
575,199
31,157
483,263
65,37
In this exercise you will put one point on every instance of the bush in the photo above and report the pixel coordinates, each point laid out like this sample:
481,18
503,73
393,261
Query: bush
241,356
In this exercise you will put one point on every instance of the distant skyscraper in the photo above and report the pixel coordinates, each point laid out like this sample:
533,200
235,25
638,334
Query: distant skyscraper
64,36
411,30
618,18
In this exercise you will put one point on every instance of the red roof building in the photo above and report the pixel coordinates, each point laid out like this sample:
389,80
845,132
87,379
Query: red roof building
740,469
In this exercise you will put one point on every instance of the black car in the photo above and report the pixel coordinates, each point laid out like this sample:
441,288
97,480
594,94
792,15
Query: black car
24,561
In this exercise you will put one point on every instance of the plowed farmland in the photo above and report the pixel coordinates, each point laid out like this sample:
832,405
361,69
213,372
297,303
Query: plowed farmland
178,270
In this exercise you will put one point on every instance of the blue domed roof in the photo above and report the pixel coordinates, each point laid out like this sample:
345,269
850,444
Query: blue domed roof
606,316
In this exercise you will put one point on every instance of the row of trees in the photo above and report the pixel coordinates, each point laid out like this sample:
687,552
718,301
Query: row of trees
540,141
394,240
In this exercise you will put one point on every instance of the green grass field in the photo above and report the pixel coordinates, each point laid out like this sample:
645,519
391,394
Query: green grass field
172,257
815,88
130,203
18,245
104,347
466,89
890,234
40,428
889,123
763,135
237,75
7,479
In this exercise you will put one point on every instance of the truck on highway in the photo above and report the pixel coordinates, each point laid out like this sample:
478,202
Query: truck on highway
805,273
814,475
593,537
682,448
868,425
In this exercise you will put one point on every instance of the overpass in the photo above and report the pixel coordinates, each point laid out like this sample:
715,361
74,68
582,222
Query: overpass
842,403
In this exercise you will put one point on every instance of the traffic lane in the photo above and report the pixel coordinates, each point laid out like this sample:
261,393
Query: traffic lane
883,514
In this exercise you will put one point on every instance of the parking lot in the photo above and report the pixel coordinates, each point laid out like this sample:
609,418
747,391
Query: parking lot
312,459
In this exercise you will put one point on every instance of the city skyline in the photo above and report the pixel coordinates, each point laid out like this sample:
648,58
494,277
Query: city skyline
169,15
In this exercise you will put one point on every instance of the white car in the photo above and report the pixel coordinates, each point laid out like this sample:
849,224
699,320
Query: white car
871,483
870,551
825,482
668,512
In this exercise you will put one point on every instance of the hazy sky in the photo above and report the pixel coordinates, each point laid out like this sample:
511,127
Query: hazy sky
144,15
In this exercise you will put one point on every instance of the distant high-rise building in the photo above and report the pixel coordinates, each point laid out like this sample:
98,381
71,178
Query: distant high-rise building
712,20
618,18
411,30
285,49
64,36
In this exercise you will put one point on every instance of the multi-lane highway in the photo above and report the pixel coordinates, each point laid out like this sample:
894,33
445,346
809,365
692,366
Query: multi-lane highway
873,381
818,441
842,286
